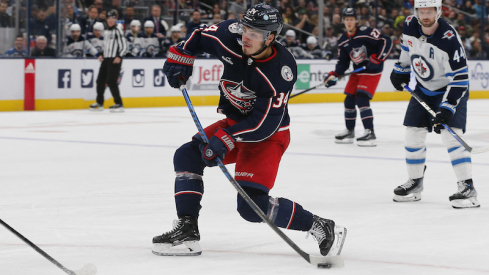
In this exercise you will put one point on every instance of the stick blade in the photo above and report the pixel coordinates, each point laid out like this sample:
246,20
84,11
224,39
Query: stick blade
327,262
88,269
479,150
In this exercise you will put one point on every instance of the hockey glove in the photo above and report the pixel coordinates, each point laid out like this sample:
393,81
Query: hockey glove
444,115
375,64
219,145
400,75
178,65
331,79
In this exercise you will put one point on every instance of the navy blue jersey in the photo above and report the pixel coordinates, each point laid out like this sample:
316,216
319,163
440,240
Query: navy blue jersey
359,47
253,92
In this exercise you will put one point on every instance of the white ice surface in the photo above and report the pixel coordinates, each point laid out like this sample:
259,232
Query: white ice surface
96,187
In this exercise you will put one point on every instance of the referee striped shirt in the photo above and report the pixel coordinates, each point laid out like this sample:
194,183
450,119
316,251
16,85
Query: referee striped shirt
115,43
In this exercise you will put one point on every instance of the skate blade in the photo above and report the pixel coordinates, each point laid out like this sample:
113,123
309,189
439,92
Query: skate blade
327,261
96,109
366,143
166,249
117,111
408,198
344,141
465,203
339,240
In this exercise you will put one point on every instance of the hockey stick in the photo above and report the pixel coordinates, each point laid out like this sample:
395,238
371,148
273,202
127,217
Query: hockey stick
88,269
457,137
322,84
319,261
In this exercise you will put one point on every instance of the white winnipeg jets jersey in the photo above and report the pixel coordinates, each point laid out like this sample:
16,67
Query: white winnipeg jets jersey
438,61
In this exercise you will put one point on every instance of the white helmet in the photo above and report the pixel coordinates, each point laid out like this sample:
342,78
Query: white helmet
428,4
149,24
135,23
175,28
75,27
312,40
98,26
290,33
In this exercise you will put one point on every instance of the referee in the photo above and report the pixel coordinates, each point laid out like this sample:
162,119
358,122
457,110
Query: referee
115,48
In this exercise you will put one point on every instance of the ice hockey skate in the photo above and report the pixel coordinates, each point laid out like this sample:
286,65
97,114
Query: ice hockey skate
96,107
329,236
345,137
409,191
368,139
116,108
185,232
466,197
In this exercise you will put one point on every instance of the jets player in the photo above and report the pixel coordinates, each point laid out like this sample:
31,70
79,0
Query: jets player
258,76
147,41
77,45
97,39
363,46
434,50
132,37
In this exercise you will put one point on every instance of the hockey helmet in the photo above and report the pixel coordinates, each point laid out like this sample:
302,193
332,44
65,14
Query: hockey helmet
349,12
75,27
290,33
312,40
264,18
149,24
428,4
99,26
135,23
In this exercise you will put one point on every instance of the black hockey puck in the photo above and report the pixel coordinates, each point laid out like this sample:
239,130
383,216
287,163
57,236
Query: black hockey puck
324,266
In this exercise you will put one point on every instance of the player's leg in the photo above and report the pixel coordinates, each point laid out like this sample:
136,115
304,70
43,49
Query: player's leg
466,196
112,77
189,189
367,84
261,162
347,135
100,87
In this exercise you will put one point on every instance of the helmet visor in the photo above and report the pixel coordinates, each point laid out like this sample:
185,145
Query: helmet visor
251,33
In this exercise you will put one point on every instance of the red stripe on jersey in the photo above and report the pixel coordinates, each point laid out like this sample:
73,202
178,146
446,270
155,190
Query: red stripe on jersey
291,216
188,192
226,48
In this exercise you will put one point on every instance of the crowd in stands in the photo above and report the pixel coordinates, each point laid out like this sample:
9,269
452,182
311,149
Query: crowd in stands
152,35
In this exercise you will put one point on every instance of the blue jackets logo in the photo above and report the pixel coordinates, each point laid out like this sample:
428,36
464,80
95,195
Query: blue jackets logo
64,79
159,78
138,78
87,78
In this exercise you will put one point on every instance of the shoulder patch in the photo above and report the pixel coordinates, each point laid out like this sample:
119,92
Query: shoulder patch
448,35
408,19
287,73
234,28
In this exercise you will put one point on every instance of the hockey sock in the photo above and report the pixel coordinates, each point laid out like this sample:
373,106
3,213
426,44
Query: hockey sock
460,157
350,112
282,212
363,103
189,189
415,139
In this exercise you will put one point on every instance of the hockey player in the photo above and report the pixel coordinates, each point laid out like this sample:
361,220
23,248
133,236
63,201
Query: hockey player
172,39
363,46
97,39
148,42
132,37
77,45
258,77
434,50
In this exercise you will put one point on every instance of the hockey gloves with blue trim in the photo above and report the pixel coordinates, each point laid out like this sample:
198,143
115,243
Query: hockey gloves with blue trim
400,75
375,64
219,145
444,115
178,66
331,79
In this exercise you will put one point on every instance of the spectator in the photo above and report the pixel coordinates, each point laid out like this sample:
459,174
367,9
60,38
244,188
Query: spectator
5,20
39,26
97,39
216,10
331,42
174,38
283,5
462,31
327,16
338,27
289,17
184,6
128,17
86,22
216,19
116,5
301,8
148,42
131,38
480,10
99,4
305,25
159,23
102,17
195,23
42,48
71,16
237,7
18,49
